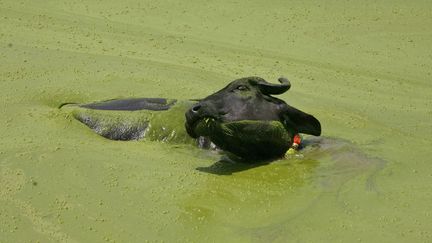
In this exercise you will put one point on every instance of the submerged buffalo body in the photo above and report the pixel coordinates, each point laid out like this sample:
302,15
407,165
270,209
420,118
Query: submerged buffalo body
243,119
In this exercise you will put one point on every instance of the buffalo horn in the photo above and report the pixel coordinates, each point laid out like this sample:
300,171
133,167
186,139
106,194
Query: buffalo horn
273,89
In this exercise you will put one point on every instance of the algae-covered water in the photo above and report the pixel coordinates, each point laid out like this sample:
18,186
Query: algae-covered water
363,68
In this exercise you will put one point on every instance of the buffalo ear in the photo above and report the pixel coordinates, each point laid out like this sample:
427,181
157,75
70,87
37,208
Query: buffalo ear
300,122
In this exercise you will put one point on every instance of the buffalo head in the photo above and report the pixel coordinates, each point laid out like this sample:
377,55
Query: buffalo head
244,119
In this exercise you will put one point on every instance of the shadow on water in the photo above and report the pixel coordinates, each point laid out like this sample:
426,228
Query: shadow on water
226,167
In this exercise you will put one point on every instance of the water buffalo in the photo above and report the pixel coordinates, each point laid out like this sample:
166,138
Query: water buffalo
243,119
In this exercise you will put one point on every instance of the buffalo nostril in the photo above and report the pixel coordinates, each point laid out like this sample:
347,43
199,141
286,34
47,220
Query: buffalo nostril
196,108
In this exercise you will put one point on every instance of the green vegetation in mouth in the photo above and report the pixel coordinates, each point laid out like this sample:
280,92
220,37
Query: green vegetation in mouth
253,128
246,137
206,126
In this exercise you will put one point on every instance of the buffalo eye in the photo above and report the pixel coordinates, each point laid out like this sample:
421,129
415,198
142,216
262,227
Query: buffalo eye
242,87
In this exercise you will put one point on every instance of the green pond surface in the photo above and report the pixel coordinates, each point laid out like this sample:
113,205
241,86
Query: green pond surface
363,68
